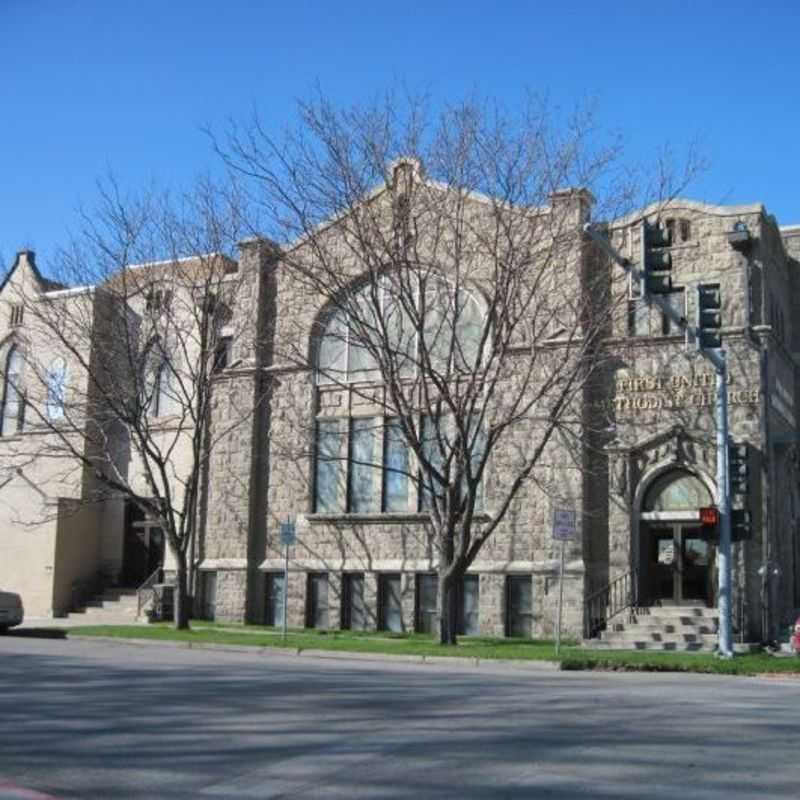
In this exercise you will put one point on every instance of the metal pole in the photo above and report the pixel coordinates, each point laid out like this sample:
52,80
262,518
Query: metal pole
285,588
724,501
560,598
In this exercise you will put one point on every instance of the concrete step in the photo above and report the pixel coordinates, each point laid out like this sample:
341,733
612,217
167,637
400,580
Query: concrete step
623,637
127,603
691,612
687,647
705,626
679,647
102,611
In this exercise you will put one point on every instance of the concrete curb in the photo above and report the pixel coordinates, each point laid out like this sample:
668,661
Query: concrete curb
336,655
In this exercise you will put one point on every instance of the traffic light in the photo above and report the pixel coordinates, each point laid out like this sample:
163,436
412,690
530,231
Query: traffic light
709,518
741,525
709,316
656,260
738,469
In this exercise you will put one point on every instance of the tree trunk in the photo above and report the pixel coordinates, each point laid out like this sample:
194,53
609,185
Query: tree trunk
448,612
181,597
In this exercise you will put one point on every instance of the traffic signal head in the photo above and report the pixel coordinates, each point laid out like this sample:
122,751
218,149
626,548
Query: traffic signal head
738,469
741,525
709,316
709,516
656,260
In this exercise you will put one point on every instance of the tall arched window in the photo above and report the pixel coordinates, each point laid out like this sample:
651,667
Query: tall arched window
161,397
56,387
423,326
158,394
13,406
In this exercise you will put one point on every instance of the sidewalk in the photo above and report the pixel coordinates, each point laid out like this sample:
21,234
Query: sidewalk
340,655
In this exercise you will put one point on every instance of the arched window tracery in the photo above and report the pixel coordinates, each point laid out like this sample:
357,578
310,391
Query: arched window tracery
12,419
405,327
676,490
414,325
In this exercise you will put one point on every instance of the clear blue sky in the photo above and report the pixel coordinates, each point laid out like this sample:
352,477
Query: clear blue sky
92,85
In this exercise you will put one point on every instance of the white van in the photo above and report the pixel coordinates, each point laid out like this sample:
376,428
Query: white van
11,610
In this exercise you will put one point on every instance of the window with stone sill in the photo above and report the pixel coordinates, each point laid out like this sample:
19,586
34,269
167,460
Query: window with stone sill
364,466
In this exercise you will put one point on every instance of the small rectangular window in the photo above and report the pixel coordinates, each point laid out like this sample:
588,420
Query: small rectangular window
330,489
427,607
17,312
433,441
317,597
354,610
222,353
275,598
158,300
390,603
519,605
362,477
468,623
208,609
638,318
395,468
676,301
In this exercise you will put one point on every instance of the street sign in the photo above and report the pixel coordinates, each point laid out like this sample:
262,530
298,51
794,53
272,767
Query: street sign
564,524
288,533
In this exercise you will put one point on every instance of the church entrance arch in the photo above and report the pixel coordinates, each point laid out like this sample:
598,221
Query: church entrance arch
676,555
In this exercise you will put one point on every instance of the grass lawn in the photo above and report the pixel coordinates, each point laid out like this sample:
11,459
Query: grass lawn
571,657
412,644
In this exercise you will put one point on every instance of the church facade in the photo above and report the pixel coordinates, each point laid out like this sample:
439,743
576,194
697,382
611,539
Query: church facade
364,556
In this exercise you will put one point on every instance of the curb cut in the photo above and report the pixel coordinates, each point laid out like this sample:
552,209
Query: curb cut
336,655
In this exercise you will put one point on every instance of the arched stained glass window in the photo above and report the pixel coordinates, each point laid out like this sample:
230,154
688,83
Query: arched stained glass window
378,319
677,491
56,387
13,407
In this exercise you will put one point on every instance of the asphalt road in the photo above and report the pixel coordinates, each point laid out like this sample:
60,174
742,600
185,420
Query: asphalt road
86,719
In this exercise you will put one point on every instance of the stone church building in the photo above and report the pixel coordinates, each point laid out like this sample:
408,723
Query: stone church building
642,469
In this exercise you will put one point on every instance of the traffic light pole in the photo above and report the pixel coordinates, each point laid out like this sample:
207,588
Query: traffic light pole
724,593
718,360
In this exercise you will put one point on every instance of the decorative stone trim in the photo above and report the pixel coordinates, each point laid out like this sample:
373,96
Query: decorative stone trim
223,563
378,518
547,567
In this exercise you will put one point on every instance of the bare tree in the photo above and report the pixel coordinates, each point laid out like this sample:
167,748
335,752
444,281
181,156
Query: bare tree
454,286
121,364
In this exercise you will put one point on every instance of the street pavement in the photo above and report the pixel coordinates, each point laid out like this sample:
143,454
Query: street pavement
112,720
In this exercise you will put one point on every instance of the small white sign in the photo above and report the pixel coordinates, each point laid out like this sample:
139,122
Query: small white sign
564,524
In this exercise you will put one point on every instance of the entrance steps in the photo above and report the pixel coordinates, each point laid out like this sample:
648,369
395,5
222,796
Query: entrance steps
112,607
671,628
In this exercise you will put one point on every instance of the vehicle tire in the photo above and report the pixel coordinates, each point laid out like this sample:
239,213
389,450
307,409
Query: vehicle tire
3,630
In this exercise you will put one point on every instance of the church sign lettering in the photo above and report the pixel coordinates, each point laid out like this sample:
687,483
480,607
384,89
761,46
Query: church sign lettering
653,392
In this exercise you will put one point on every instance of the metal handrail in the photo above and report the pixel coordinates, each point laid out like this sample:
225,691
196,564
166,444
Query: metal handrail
604,604
146,592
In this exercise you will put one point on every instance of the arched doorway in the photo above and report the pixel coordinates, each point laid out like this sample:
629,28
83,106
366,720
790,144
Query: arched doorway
676,553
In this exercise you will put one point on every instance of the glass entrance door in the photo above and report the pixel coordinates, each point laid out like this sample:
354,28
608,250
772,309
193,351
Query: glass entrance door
679,564
694,565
